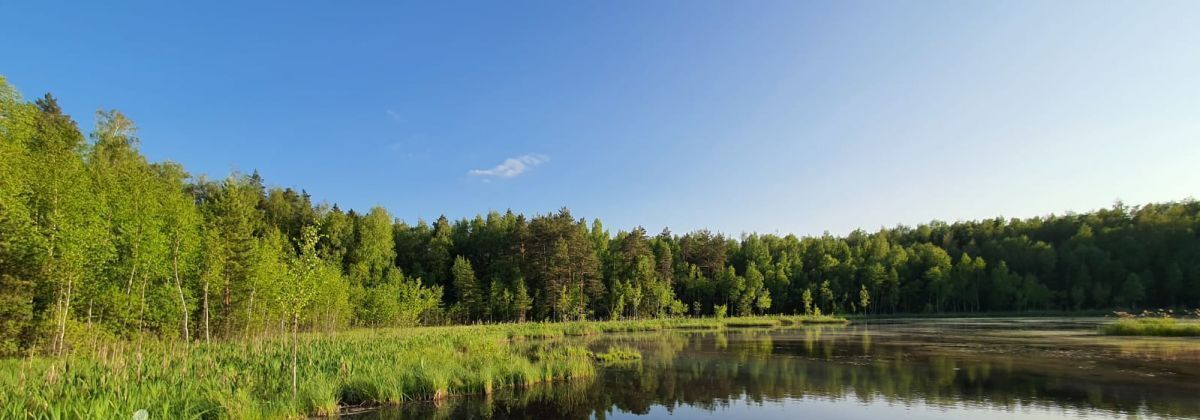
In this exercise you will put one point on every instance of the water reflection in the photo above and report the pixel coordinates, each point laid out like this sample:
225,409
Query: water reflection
916,369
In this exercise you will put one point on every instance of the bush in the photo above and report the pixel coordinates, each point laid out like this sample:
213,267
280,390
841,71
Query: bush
719,311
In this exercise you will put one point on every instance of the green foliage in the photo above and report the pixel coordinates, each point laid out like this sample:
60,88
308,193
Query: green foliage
618,354
719,311
827,298
93,234
22,251
373,255
677,308
470,295
864,298
399,302
247,379
1132,290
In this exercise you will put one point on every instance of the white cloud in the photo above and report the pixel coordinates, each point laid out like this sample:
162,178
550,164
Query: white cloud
511,167
395,116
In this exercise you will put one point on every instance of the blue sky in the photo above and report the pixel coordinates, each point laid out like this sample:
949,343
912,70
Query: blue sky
768,116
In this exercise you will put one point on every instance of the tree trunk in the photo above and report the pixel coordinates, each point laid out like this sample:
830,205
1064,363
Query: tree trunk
89,324
249,314
142,317
182,302
226,309
62,326
207,335
295,344
132,273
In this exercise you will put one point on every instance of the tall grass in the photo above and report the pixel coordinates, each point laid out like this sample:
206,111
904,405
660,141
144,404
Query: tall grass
816,319
534,330
252,379
618,354
1160,327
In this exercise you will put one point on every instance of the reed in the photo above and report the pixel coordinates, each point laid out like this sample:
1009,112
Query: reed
1159,327
751,322
252,378
618,354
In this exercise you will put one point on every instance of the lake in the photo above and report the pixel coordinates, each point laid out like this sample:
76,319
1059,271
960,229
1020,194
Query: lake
912,369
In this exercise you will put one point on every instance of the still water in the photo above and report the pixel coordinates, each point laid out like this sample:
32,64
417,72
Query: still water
911,369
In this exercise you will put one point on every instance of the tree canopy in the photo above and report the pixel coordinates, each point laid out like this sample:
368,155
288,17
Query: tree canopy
97,240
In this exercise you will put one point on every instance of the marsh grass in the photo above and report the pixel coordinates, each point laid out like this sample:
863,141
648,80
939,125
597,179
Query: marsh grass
751,322
618,355
816,319
1151,326
252,378
540,330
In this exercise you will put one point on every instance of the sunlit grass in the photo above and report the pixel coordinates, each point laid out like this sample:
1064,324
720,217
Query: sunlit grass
534,330
252,378
822,319
618,354
814,319
1159,327
751,322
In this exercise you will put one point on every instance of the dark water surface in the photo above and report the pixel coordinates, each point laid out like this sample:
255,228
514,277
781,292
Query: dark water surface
910,369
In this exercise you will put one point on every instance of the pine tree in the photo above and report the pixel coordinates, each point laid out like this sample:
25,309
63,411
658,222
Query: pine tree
469,294
521,299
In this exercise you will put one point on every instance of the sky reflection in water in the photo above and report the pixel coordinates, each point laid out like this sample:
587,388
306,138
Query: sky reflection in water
927,369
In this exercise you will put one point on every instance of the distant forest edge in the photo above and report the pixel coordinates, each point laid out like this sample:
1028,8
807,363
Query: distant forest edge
98,243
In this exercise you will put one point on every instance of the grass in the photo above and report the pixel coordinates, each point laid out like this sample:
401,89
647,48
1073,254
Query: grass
813,319
618,354
539,330
751,322
990,314
1158,327
821,319
252,378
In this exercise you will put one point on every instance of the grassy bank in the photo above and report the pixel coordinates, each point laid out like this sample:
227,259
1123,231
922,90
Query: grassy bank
584,328
252,379
1159,327
998,314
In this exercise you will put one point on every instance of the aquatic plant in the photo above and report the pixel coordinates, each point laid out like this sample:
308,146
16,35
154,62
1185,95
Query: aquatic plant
820,319
252,379
1152,326
751,322
617,354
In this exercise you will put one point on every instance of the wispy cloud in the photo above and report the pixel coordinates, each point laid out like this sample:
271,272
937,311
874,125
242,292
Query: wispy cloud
511,167
395,116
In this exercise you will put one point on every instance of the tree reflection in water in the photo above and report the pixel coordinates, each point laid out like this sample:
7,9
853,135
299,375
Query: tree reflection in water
1048,368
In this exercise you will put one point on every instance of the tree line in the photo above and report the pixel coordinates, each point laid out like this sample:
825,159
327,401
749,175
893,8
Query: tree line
95,240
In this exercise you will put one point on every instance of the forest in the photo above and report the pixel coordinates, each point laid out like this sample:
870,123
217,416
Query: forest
98,242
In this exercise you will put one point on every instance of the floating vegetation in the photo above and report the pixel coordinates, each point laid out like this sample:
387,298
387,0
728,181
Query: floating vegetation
751,322
820,319
1152,326
618,354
